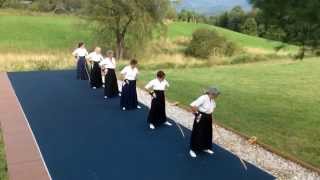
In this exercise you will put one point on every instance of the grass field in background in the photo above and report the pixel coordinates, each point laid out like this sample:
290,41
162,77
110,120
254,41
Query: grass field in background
178,29
41,33
53,32
275,102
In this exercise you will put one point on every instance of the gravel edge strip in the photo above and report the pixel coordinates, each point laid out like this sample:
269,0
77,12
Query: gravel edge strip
279,167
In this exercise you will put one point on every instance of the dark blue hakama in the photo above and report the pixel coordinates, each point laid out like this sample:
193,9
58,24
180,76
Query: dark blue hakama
95,75
129,98
157,114
201,136
111,87
82,70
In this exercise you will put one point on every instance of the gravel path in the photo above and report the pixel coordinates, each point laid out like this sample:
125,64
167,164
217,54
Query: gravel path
279,167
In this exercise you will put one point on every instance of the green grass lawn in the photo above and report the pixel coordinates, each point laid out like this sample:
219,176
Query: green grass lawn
278,103
41,33
178,29
53,32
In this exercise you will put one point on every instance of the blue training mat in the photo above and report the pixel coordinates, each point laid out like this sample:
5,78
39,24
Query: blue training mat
83,137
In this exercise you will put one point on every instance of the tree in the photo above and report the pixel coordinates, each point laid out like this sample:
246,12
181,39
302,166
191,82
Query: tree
223,20
250,27
207,42
171,13
1,3
299,20
236,18
126,20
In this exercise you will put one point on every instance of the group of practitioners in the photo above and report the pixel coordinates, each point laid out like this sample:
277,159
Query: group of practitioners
101,72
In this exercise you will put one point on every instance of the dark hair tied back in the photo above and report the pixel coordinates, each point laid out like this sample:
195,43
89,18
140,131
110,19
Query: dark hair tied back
133,62
161,74
80,44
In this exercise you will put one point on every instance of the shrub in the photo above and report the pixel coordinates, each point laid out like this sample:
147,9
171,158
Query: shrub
207,42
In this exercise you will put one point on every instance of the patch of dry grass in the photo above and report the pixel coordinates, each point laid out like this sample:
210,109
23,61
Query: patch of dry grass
11,62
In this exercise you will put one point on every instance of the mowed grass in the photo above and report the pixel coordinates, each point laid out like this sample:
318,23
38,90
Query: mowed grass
48,32
278,103
178,29
22,33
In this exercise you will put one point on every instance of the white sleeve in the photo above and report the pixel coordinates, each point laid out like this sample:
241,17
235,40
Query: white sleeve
149,85
89,57
167,84
101,58
75,52
124,71
198,102
102,63
86,53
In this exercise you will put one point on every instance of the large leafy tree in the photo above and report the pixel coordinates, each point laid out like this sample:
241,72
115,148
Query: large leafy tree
123,22
250,27
236,18
2,2
300,20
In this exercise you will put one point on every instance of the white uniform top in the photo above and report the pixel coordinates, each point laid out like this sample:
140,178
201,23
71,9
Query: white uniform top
80,52
157,85
108,63
204,104
129,73
95,57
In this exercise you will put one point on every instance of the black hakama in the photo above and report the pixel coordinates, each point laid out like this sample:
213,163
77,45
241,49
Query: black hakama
129,98
157,114
201,137
111,87
96,79
82,71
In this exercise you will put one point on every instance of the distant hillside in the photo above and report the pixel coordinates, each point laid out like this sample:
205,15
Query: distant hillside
178,29
212,7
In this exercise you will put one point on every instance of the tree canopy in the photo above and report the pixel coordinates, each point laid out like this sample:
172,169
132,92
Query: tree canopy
129,22
299,20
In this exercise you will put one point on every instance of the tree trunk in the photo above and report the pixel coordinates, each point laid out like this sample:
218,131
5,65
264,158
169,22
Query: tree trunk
120,46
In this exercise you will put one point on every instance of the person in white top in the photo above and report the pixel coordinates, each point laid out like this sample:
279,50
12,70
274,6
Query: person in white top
129,98
203,107
157,114
108,66
95,76
80,54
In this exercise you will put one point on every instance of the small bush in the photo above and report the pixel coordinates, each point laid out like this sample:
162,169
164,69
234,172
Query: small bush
206,43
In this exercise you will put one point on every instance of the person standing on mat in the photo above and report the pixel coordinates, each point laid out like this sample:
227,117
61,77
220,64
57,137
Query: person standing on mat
111,83
80,54
156,88
95,58
129,98
201,136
